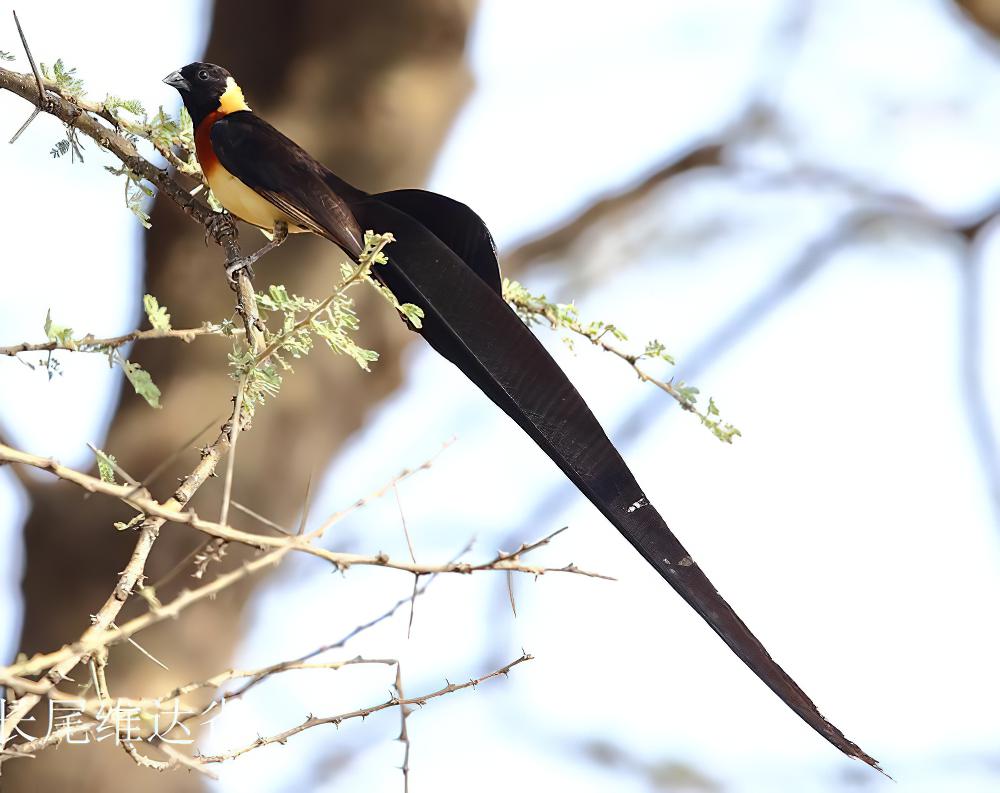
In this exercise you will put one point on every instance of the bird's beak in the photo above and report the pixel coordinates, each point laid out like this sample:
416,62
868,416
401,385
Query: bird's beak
177,80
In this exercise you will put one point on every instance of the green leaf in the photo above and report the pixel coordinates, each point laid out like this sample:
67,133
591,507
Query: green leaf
64,77
157,314
142,383
57,333
5,56
106,466
133,106
415,314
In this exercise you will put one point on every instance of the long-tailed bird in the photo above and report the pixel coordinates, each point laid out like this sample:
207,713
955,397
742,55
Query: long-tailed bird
445,262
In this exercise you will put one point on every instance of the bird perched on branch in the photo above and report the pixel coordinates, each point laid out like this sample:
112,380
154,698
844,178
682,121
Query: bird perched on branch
445,262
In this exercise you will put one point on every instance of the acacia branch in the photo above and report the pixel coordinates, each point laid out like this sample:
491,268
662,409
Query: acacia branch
394,702
139,499
71,113
90,343
91,707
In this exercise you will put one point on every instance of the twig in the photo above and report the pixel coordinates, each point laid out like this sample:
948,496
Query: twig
532,307
22,685
72,114
314,721
225,234
165,512
93,640
365,260
402,476
179,758
402,519
90,343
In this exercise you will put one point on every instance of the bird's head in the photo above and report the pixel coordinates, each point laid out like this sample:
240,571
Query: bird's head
206,88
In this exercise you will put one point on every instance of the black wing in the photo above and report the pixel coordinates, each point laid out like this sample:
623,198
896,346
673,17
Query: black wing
467,323
286,175
456,225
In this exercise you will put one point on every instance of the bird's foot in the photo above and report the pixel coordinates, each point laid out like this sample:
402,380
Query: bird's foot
236,266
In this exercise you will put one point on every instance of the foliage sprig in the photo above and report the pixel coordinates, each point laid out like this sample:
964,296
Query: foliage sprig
536,309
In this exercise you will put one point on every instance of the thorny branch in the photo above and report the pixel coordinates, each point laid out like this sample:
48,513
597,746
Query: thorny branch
139,499
95,642
130,577
361,713
90,710
22,685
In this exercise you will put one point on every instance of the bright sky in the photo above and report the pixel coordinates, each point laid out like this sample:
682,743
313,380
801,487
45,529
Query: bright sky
850,526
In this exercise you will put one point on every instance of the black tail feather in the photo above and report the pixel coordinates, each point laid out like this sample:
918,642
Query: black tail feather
467,323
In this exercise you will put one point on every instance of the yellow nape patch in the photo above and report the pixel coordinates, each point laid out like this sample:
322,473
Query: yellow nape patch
232,99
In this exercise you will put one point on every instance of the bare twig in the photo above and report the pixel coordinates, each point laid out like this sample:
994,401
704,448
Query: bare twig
165,512
315,721
254,677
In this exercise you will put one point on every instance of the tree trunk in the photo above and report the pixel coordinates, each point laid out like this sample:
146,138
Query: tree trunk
371,89
985,13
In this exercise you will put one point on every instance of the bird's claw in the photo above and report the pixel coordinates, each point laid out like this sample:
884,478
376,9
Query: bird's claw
236,266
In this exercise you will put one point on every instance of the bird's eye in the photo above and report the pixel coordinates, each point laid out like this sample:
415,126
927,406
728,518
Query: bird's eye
202,75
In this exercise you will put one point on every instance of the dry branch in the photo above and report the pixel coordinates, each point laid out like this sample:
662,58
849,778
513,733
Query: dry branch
361,713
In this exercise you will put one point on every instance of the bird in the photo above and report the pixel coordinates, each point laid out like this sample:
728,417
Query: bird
444,260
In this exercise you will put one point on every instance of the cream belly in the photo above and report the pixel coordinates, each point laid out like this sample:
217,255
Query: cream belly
243,202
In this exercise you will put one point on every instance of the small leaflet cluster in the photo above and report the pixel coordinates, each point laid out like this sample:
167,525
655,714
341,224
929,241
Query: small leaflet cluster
538,309
137,376
302,321
299,323
167,135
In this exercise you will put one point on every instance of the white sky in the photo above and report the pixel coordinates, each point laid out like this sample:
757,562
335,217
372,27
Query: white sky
850,526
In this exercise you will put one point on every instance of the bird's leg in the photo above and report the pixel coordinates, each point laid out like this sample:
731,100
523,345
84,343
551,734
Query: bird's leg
246,262
220,226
